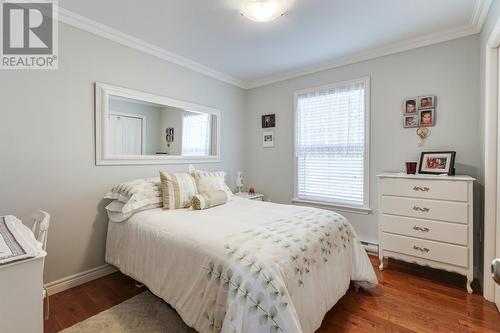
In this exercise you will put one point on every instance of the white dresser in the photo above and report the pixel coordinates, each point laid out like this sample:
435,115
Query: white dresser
427,220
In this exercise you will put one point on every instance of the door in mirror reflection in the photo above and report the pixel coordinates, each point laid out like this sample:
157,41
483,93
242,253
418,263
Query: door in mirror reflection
126,134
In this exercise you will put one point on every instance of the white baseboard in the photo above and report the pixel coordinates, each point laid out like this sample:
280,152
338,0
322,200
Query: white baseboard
71,281
370,247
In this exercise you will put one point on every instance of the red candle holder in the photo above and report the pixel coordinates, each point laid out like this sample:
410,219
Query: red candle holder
411,168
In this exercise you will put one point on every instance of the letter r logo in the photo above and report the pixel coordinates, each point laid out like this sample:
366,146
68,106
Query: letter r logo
27,28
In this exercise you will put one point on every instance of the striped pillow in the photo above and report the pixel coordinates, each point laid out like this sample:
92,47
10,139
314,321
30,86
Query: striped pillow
209,199
177,190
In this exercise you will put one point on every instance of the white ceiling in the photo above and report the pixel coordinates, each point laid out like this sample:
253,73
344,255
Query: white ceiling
314,34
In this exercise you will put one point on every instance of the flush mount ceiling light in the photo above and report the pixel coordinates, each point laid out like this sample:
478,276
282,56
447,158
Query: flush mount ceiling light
263,10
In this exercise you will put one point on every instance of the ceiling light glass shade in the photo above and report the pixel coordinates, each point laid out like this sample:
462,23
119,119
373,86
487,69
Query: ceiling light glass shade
263,10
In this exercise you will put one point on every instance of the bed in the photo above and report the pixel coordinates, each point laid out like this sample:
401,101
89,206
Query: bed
245,266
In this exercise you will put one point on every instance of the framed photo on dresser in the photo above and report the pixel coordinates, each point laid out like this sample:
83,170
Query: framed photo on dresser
437,163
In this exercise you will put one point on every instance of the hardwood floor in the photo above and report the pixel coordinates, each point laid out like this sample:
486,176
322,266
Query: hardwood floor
410,299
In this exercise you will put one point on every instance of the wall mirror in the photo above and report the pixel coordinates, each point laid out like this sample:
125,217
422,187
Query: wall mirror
134,127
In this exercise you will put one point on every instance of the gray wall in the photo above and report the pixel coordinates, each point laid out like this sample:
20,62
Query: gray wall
448,70
47,139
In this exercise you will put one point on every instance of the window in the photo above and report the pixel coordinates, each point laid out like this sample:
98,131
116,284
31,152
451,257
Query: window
331,144
196,134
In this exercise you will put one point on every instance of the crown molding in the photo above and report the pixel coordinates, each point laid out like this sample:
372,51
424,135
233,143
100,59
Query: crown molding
101,30
478,17
479,14
476,22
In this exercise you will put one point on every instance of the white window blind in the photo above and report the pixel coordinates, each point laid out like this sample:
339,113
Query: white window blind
196,134
330,145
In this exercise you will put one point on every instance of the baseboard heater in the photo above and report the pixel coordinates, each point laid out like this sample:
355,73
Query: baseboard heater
370,247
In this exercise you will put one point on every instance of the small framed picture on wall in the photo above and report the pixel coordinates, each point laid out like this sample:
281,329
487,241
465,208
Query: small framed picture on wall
268,120
426,102
268,139
169,134
426,118
410,121
410,105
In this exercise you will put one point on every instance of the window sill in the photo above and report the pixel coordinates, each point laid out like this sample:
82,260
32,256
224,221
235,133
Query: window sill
341,208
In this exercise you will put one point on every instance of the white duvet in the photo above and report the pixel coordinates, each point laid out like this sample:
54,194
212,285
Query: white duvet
246,266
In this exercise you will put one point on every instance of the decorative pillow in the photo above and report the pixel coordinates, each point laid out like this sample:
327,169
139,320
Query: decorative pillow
209,181
209,199
136,194
178,190
116,213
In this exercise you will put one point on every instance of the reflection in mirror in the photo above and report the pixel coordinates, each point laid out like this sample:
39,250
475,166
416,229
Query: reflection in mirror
134,127
137,127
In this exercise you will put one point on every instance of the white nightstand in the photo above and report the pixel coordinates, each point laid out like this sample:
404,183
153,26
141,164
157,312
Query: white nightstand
253,196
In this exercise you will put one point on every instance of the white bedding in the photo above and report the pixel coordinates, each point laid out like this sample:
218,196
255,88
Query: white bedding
245,266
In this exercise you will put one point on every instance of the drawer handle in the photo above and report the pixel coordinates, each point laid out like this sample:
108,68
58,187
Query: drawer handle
420,209
421,249
424,229
419,188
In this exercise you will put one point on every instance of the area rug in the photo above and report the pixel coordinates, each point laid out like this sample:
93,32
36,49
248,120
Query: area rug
140,314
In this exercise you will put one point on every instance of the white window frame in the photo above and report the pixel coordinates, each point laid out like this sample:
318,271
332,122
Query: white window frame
365,209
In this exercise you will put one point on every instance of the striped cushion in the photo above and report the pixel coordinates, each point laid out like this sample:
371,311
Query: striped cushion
209,199
177,190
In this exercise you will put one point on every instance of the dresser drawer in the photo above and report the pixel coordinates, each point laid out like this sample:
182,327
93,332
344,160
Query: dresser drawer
428,209
426,189
431,230
447,253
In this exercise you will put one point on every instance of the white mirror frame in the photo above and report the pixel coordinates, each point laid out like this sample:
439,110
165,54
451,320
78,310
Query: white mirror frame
104,91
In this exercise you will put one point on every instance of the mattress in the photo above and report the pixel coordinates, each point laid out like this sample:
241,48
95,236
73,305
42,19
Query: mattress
246,266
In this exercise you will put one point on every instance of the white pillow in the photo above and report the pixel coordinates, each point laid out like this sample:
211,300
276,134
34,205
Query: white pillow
209,181
137,194
116,213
